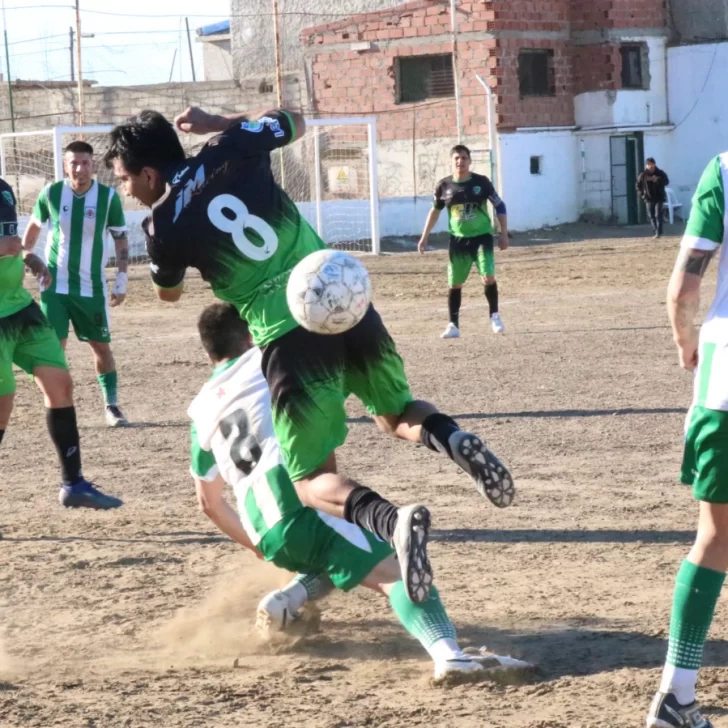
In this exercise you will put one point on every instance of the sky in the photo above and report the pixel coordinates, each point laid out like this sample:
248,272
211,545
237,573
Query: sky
134,41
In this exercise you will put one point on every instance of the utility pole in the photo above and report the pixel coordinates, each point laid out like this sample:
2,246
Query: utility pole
78,63
10,83
189,44
279,83
71,49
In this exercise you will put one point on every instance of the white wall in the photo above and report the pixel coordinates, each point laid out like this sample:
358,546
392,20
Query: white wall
698,98
550,198
628,106
595,175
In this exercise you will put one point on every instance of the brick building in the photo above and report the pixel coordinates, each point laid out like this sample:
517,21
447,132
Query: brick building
578,89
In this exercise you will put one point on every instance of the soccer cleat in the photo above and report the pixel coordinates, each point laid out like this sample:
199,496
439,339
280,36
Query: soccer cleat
274,614
666,712
450,332
496,324
482,665
491,477
410,543
115,417
84,495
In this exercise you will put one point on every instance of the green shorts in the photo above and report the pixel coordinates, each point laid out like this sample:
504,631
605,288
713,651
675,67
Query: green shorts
28,341
310,377
466,252
89,315
705,458
313,542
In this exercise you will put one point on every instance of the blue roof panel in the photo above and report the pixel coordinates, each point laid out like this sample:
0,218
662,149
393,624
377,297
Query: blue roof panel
215,28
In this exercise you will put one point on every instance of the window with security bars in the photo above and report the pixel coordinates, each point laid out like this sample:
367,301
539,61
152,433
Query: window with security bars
424,77
536,72
632,56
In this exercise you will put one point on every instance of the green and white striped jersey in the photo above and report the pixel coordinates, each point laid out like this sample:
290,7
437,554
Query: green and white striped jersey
78,226
232,436
706,230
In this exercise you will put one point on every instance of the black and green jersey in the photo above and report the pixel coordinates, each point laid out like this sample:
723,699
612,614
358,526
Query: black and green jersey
467,204
13,297
224,214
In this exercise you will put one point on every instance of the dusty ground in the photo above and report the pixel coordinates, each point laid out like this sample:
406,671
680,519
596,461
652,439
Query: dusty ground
136,618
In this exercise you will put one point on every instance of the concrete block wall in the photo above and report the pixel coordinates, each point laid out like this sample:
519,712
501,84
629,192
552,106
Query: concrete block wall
42,106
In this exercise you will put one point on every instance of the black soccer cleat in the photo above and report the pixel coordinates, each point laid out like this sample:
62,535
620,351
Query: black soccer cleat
491,477
666,712
410,543
84,495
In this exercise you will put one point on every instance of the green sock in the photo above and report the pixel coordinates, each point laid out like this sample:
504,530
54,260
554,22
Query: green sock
428,622
108,383
316,585
696,593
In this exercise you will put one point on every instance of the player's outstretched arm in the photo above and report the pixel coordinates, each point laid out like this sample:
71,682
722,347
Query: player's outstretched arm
432,217
121,245
213,504
195,120
30,236
683,302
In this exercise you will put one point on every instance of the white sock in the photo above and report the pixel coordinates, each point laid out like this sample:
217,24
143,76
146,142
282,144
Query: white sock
445,649
680,682
297,595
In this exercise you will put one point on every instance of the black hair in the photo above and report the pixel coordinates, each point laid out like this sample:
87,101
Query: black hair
460,149
222,332
146,140
79,147
650,160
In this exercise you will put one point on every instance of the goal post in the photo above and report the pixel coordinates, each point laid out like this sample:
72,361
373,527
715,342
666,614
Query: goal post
330,173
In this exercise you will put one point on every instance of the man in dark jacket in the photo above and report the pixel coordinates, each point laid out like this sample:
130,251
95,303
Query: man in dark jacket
651,185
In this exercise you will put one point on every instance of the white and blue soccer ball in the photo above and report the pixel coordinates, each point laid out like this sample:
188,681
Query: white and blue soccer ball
329,292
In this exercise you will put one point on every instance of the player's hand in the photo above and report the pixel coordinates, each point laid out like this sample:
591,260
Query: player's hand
39,269
504,241
118,293
193,120
421,245
10,245
688,351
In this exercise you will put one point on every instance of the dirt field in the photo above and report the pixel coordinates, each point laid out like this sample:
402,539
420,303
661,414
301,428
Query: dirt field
143,617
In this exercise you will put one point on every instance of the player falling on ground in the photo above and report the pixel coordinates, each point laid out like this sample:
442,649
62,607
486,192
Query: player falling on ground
705,460
465,195
222,213
27,340
233,442
80,212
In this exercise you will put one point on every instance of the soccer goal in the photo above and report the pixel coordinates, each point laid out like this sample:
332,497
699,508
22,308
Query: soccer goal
331,174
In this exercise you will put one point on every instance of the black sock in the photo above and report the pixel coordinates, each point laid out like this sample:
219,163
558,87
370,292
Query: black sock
64,432
436,431
454,298
2,432
491,294
369,510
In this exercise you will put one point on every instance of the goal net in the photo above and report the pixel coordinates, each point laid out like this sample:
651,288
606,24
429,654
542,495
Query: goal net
330,174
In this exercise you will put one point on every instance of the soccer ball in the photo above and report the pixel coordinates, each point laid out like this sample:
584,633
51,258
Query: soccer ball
329,292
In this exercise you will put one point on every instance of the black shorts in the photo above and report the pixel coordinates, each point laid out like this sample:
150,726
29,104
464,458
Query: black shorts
310,377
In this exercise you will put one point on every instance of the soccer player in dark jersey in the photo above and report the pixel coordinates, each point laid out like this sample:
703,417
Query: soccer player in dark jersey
466,196
222,213
28,340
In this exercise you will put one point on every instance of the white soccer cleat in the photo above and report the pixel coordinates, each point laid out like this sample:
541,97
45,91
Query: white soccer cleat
115,417
274,614
450,332
481,665
496,324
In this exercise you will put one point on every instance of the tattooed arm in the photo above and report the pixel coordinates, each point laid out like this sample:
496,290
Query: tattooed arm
121,244
683,302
